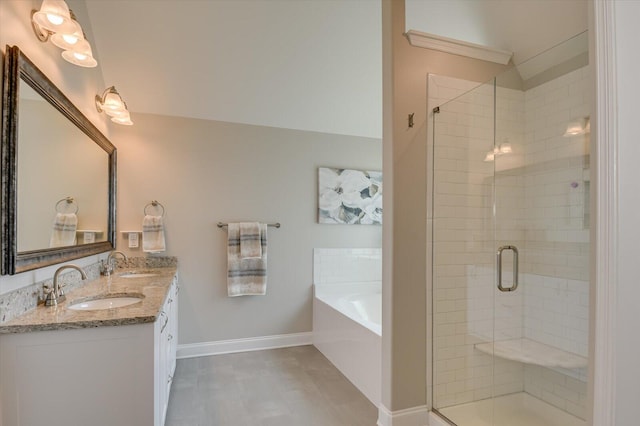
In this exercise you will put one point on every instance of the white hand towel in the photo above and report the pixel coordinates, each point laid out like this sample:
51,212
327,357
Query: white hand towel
245,276
64,230
153,234
250,240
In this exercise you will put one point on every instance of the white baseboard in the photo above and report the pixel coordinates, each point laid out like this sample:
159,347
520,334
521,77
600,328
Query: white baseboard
220,347
415,416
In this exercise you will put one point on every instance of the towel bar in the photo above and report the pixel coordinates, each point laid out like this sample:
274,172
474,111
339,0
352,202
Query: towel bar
275,225
69,200
154,203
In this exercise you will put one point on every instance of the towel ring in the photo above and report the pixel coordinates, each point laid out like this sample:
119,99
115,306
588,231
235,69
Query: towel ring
154,203
67,200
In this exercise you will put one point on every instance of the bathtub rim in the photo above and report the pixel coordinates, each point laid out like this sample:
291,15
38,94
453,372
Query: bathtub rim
330,295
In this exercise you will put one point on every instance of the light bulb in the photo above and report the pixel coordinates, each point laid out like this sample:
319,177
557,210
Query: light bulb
70,38
577,127
80,55
124,119
505,148
573,130
115,113
55,19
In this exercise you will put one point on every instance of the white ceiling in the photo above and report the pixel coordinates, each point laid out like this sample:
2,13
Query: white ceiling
301,64
311,65
524,27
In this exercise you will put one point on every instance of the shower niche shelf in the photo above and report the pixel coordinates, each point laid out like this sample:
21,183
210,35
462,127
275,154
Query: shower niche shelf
532,352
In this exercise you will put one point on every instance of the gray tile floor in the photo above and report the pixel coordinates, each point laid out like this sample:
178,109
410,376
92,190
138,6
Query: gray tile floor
286,387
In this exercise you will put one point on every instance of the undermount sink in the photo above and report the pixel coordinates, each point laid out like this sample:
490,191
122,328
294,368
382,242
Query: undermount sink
138,274
106,302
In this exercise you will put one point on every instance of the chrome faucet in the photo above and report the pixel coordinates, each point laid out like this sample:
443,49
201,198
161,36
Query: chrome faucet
107,269
113,254
56,295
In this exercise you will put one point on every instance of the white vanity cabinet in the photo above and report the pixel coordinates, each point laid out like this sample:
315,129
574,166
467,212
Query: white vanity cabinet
103,376
166,332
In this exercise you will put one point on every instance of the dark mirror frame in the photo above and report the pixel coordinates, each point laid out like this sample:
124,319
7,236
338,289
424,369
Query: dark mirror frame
18,67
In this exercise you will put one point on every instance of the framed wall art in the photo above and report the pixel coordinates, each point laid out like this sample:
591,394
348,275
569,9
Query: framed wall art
348,196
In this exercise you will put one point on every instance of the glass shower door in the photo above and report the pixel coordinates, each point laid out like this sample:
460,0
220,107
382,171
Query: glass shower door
463,244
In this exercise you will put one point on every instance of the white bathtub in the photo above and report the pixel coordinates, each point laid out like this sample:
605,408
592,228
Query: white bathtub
347,330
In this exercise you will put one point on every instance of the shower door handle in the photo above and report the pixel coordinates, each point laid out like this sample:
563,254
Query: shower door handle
515,268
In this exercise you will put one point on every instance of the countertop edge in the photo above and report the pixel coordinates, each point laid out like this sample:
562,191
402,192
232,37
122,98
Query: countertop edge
17,329
31,325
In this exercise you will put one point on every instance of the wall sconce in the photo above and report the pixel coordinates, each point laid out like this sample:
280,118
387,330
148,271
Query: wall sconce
577,127
55,21
503,148
111,103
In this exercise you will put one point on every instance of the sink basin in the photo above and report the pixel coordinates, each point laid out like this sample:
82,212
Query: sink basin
138,274
106,302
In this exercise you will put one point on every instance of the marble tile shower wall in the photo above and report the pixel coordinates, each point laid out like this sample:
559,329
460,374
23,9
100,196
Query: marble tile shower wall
347,265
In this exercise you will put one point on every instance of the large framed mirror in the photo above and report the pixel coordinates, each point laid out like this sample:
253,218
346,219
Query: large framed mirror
58,174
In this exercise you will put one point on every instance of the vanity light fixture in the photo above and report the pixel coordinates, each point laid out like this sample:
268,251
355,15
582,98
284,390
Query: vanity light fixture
577,127
55,21
111,103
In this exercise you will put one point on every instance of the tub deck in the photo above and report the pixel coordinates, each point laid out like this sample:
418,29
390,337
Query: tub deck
348,335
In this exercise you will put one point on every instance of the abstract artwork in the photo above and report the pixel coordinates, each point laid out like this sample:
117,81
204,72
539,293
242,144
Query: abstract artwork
349,196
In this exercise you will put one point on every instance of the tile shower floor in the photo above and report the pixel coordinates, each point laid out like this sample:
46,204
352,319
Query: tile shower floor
519,409
291,386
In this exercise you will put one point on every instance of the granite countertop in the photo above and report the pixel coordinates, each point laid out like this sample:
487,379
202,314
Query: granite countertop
154,288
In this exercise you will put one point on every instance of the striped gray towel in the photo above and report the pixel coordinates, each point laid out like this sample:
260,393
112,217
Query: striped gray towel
245,276
250,240
153,234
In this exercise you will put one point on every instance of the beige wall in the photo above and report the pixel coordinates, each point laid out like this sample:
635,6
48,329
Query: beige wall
207,171
405,165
